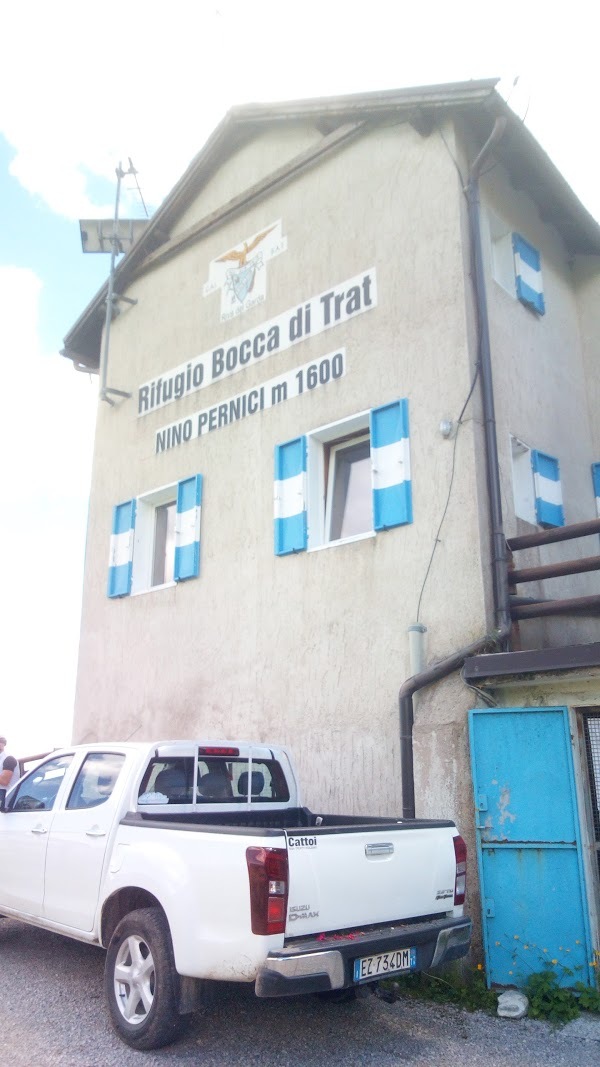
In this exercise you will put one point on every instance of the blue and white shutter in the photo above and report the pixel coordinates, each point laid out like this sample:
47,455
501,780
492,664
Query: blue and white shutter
290,497
390,465
187,528
596,480
120,561
528,274
548,490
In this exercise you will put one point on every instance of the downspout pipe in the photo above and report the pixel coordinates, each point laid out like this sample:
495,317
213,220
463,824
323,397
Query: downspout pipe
502,616
432,674
499,554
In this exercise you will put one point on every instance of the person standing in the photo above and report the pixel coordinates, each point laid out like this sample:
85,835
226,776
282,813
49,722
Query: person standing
9,768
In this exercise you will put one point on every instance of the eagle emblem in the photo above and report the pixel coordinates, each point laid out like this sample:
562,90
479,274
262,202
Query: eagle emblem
240,273
240,280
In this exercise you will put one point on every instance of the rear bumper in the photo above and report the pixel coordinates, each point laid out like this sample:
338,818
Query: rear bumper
318,966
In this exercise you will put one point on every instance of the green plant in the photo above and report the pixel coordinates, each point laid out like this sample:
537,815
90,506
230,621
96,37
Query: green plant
588,999
548,1000
467,989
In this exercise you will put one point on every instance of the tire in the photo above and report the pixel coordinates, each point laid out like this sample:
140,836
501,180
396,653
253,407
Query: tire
141,983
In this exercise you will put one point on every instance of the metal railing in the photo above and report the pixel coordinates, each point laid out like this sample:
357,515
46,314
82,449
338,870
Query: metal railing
532,608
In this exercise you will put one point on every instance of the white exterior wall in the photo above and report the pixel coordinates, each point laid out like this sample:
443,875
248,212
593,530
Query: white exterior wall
543,384
586,276
308,650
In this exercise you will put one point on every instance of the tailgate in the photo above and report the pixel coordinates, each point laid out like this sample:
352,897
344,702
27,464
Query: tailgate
349,878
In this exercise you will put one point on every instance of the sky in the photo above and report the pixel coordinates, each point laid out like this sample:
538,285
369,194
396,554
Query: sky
84,87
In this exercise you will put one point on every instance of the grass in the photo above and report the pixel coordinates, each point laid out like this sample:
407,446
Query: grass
467,989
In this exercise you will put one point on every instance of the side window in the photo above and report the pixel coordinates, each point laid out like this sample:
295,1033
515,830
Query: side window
156,539
38,791
343,481
528,274
516,265
537,488
96,780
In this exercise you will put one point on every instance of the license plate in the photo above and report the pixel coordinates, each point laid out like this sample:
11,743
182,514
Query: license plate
400,959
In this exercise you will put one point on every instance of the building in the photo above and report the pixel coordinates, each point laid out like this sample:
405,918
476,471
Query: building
380,312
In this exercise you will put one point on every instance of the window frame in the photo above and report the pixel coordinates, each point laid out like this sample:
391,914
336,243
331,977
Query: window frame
144,538
133,543
333,475
523,484
505,244
320,442
525,462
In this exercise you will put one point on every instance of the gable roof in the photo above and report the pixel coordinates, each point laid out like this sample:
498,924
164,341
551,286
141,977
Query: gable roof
338,119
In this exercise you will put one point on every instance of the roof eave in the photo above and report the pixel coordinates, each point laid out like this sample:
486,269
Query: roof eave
476,99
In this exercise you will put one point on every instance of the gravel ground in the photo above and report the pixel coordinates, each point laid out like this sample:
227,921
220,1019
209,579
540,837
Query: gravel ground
53,1015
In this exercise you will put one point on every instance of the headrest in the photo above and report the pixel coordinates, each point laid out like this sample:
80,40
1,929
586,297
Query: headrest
257,786
171,777
214,785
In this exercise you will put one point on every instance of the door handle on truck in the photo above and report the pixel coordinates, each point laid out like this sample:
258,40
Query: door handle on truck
382,848
95,833
39,830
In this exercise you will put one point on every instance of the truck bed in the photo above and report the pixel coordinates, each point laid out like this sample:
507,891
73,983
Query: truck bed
287,819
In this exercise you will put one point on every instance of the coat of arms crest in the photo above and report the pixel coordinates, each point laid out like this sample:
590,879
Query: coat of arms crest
244,285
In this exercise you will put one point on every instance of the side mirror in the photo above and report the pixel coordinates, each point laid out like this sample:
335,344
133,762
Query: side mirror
2,799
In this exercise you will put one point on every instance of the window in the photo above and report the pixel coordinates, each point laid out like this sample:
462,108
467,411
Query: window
516,265
96,780
163,561
536,485
39,790
170,780
348,509
156,539
343,481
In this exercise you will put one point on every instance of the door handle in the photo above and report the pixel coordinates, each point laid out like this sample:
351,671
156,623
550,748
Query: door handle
95,833
39,830
382,848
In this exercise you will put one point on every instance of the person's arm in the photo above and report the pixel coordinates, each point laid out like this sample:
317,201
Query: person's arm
8,765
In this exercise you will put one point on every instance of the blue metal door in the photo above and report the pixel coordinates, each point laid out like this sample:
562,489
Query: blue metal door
534,901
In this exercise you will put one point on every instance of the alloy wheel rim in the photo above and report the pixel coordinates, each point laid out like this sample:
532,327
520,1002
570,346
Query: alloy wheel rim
134,980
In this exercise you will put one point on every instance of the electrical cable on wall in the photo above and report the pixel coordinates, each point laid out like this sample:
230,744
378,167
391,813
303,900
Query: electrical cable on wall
459,421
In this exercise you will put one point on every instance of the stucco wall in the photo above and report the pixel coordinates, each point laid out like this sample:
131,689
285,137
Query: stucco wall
311,650
246,165
543,383
308,650
586,276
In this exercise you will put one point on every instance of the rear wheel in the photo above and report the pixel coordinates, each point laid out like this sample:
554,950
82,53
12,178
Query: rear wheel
141,983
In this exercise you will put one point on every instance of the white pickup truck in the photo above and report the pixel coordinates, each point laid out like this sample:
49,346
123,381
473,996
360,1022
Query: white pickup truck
195,860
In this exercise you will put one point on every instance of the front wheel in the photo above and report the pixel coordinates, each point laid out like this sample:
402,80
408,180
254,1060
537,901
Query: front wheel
141,983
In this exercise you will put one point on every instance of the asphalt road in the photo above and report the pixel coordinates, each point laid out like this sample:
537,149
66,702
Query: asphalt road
52,1014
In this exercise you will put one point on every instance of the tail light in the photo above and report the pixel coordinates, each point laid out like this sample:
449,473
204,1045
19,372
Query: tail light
268,874
460,881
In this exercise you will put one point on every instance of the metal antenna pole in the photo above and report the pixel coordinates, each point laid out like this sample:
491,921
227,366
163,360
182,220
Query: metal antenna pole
110,299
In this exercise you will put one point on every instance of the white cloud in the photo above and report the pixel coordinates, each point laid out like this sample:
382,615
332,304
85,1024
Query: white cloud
89,87
46,438
83,87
